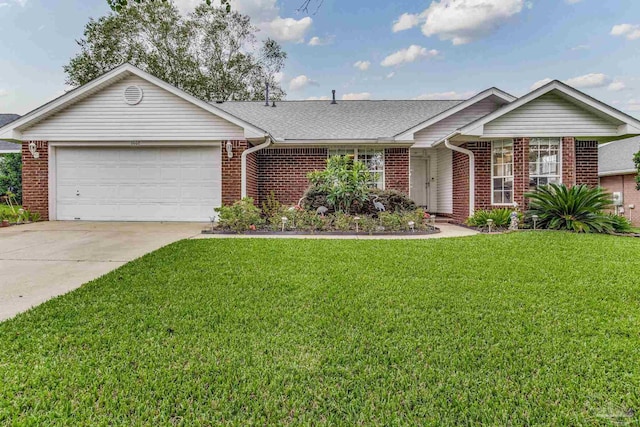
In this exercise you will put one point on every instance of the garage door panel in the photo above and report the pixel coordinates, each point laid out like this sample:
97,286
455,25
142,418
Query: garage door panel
138,184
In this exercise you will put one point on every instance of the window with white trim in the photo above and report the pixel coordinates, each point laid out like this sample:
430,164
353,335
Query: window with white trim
544,161
373,158
502,172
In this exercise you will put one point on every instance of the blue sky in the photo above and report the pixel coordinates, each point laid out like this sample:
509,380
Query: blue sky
441,49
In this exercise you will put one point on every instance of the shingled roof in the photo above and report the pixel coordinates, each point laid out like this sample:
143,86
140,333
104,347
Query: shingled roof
617,157
346,120
6,146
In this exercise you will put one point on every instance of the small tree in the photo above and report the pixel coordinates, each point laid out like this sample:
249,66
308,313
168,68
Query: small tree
11,175
636,160
345,181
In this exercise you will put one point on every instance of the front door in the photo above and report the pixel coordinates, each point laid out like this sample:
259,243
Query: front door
420,182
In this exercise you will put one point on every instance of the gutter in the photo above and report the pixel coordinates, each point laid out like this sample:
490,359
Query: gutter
472,167
243,163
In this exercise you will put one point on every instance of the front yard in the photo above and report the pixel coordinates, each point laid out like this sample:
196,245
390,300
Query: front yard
526,328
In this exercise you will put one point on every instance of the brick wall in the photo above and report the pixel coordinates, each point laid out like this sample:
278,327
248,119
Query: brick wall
460,185
569,161
626,184
587,163
396,169
252,176
284,171
35,179
520,170
232,172
482,156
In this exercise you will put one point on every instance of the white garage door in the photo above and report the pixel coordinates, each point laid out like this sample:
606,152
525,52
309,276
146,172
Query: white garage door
137,183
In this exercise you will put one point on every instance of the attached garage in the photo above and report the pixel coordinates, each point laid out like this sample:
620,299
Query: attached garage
129,147
137,183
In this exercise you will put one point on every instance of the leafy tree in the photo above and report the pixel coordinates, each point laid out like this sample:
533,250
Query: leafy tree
211,54
11,175
636,160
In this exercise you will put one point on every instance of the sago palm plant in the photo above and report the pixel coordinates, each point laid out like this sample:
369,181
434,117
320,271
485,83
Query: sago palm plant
578,208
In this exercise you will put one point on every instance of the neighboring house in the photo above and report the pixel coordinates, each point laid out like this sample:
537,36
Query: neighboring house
618,172
7,147
129,146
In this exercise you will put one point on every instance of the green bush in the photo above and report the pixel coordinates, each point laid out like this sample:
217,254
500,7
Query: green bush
345,181
578,208
11,175
342,221
620,224
392,200
242,216
501,218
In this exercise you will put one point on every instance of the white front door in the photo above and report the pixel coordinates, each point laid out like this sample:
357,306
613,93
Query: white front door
420,181
137,183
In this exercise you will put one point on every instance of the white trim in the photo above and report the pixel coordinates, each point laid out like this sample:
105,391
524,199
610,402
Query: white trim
559,162
408,135
13,130
472,171
243,165
110,143
620,172
630,124
51,178
10,151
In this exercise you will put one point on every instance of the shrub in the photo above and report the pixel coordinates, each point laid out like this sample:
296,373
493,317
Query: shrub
271,206
344,182
342,221
501,218
243,215
620,224
578,208
393,201
11,175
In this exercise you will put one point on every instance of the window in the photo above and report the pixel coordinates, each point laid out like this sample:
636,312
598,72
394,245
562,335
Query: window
502,172
544,161
373,158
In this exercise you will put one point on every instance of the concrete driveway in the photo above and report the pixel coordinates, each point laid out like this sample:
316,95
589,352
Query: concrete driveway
43,260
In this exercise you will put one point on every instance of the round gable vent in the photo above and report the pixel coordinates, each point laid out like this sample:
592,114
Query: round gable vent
133,95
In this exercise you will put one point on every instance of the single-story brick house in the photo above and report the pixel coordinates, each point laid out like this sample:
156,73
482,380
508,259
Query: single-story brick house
129,146
618,173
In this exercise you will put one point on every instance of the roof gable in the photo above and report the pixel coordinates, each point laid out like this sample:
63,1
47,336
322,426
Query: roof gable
554,108
14,130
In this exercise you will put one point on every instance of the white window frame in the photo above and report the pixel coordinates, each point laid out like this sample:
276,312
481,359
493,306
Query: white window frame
345,151
512,176
557,175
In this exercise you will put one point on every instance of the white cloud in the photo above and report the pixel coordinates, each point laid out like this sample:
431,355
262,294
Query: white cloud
462,21
589,81
407,55
318,41
390,75
362,65
356,96
289,29
631,32
616,86
21,3
633,105
318,98
264,14
573,1
3,92
581,47
445,95
301,82
540,83
406,21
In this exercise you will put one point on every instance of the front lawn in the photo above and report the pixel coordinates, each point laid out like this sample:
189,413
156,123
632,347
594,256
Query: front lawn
533,328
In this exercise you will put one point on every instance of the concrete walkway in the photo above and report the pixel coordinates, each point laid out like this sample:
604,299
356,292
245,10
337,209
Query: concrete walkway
446,230
43,260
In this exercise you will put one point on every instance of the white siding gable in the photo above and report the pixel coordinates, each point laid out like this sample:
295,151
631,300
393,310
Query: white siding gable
437,131
550,115
160,116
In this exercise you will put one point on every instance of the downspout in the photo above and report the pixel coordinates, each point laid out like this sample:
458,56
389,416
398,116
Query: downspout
243,164
472,170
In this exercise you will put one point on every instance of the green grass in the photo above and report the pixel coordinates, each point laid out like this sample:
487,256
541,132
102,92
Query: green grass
534,328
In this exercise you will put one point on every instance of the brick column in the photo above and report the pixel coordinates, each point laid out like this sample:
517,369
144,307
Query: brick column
520,170
232,172
396,169
569,161
586,164
35,179
482,157
460,165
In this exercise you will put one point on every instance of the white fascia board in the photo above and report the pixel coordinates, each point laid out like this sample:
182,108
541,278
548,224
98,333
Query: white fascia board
408,135
564,89
620,172
12,130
